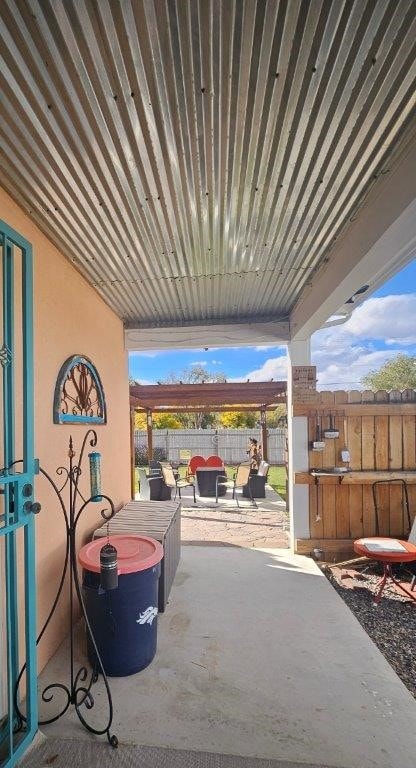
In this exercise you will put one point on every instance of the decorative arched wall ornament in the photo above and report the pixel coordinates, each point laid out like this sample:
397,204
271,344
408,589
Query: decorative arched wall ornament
79,395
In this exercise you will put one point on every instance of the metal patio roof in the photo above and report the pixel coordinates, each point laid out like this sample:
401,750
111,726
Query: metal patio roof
197,160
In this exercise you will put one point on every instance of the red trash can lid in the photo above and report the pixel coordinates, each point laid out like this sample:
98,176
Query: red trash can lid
134,553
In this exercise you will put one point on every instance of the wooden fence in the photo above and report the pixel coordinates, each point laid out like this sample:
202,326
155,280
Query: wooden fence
379,430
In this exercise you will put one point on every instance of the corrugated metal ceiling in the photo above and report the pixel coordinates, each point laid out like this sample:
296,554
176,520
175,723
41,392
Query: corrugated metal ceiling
198,160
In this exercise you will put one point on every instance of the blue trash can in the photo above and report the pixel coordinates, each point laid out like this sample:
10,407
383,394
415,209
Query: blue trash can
123,620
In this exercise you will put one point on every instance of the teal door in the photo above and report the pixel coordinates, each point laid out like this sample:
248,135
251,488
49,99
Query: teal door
17,465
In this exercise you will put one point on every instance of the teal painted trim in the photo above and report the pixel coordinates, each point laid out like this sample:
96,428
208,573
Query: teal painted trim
30,629
10,489
8,339
10,654
29,466
13,236
20,750
10,528
11,477
14,745
28,362
68,418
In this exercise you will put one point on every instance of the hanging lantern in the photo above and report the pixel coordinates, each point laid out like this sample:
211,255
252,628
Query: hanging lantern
108,567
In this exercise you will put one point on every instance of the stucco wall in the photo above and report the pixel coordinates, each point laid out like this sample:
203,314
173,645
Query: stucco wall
70,318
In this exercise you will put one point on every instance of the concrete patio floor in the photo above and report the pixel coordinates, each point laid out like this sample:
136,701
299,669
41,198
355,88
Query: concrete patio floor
258,656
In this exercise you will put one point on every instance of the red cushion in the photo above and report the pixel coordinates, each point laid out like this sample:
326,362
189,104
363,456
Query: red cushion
195,462
214,461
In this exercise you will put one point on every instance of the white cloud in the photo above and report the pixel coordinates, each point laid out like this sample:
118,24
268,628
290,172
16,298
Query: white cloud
199,362
391,319
266,347
273,368
345,353
216,362
348,372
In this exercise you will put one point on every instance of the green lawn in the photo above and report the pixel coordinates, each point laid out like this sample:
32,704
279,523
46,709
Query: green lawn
276,477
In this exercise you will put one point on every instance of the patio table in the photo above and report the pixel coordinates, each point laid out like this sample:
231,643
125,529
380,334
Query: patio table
206,479
387,551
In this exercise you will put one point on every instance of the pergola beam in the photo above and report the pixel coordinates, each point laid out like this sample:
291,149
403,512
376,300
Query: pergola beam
257,395
209,409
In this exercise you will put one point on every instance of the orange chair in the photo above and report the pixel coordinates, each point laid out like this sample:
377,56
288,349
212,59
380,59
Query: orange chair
194,463
214,461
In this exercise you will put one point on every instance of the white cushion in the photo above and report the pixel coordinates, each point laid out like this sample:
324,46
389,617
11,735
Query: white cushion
263,468
412,534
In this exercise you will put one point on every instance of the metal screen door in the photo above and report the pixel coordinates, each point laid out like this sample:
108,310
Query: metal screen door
17,465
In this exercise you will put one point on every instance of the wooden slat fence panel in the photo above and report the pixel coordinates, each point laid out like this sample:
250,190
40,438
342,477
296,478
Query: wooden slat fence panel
383,440
368,461
409,450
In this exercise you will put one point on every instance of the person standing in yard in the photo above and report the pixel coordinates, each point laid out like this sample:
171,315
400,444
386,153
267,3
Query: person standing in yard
254,452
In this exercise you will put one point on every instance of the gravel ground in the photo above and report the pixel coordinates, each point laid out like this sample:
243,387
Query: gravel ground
391,624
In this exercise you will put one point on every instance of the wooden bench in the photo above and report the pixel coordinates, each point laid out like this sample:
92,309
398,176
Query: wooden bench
161,520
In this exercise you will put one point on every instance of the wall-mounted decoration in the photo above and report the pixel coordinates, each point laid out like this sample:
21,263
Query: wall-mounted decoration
79,395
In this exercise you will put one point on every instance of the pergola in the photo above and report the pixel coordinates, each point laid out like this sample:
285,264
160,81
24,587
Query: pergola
259,396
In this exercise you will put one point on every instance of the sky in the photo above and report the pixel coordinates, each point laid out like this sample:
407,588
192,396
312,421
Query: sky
377,330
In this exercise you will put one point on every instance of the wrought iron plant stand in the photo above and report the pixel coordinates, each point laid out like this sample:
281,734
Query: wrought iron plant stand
78,691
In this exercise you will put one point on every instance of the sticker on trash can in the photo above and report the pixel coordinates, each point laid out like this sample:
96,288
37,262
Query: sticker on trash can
147,616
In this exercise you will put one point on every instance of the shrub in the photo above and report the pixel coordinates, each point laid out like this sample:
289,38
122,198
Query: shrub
159,454
141,455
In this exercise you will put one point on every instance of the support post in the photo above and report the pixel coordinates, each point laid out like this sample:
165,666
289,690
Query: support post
299,353
132,453
265,447
149,422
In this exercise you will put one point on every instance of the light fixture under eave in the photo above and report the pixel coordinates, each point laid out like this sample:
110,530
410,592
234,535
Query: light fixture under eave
363,289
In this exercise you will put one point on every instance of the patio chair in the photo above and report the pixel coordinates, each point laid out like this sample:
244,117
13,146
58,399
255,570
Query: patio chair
174,482
155,468
153,488
194,463
256,486
214,461
240,479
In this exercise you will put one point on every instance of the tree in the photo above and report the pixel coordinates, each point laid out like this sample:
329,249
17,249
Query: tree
140,420
160,421
278,417
397,373
238,419
195,374
166,421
